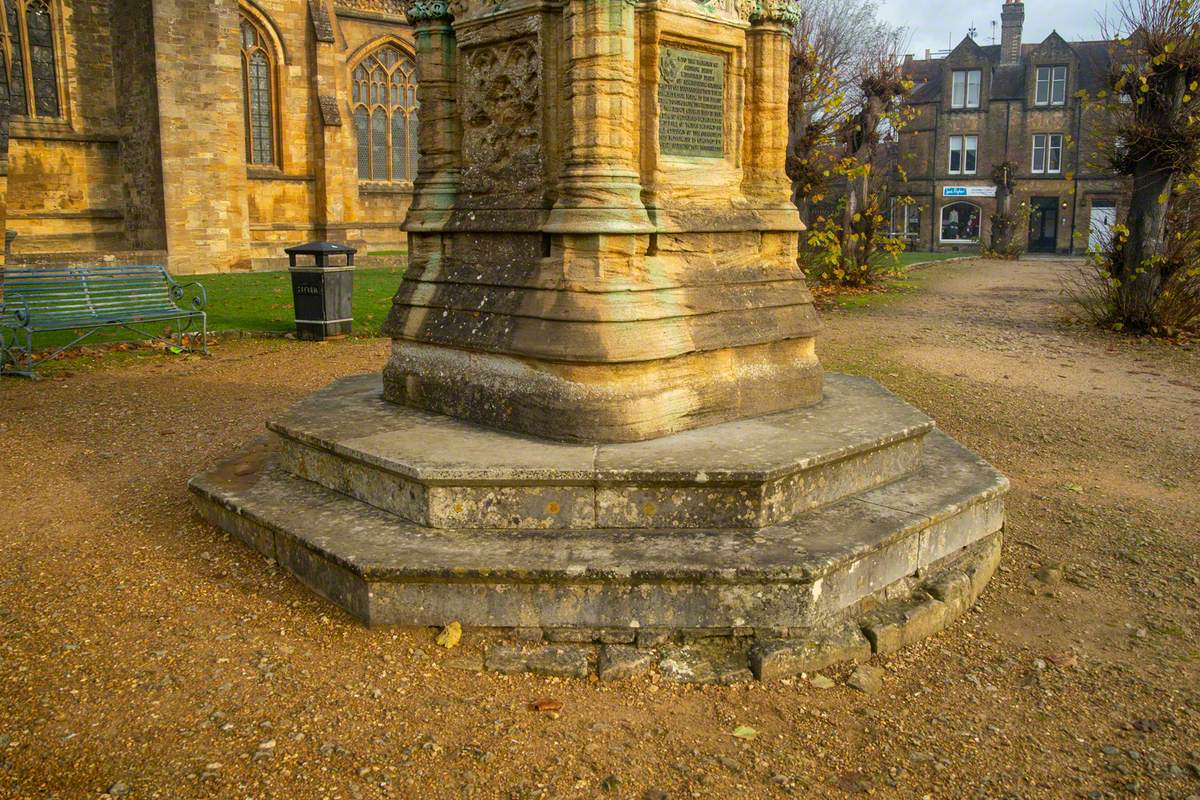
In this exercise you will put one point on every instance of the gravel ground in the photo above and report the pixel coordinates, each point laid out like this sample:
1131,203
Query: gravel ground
144,654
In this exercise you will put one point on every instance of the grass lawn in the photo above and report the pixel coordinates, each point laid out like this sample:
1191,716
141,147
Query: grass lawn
891,288
261,301
908,259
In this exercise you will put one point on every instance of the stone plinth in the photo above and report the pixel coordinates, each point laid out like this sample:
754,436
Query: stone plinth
602,245
446,473
333,494
603,421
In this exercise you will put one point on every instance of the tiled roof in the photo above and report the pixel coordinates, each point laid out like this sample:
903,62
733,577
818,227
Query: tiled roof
1008,80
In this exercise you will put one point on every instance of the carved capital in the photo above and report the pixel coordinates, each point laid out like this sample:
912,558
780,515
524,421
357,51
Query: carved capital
423,10
781,12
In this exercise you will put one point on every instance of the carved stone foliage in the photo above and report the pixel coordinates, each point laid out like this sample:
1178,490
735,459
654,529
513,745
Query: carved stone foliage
422,10
785,12
463,9
396,7
502,117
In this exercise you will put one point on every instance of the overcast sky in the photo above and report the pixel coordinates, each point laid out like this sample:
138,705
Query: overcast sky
932,23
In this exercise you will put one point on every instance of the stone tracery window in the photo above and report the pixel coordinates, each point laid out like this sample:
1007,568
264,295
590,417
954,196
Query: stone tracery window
30,54
384,98
258,93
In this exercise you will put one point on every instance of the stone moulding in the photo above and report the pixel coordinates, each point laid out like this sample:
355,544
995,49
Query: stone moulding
802,573
543,294
427,10
742,474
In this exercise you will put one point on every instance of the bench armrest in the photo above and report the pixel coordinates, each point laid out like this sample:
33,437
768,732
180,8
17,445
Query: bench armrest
199,297
16,305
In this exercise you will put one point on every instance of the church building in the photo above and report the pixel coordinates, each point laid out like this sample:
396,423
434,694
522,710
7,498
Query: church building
207,134
984,106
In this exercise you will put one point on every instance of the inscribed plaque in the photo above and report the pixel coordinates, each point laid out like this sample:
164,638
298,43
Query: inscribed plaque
691,103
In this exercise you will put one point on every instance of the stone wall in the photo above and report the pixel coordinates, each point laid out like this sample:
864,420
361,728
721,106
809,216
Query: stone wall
203,146
150,154
66,189
137,120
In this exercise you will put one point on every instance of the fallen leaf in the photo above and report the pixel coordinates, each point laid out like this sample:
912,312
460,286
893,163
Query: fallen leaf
450,636
744,732
546,704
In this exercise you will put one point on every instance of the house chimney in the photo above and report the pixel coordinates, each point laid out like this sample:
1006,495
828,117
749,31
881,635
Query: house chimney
1012,21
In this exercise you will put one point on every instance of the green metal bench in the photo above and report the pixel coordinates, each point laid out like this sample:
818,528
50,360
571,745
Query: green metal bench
89,299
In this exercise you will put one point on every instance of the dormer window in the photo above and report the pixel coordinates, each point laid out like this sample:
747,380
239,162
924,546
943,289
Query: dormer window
965,88
1051,86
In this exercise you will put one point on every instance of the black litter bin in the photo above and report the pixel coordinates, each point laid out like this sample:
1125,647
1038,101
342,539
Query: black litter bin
322,291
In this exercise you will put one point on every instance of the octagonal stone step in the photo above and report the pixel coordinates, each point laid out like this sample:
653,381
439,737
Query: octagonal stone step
444,473
385,570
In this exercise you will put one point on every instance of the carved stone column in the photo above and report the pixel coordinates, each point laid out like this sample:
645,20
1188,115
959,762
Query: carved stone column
439,136
766,183
601,192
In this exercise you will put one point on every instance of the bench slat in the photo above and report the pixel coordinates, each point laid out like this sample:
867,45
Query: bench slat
62,298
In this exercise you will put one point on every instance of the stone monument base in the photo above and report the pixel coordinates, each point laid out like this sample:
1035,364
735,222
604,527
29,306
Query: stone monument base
840,528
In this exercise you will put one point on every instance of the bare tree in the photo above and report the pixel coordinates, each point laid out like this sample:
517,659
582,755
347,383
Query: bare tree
832,46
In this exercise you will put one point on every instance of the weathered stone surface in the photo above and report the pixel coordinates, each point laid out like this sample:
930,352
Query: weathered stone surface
619,662
617,635
654,637
891,629
570,634
565,285
560,662
783,658
683,666
866,679
505,658
526,634
715,661
445,473
954,590
386,570
958,580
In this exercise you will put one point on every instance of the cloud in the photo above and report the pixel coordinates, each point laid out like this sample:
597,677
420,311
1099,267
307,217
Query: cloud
934,24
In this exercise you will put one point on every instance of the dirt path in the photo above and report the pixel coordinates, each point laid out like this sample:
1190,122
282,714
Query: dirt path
139,646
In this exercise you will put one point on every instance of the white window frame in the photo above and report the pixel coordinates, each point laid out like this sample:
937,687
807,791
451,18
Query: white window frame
1050,86
1050,146
965,88
962,144
942,226
912,213
908,213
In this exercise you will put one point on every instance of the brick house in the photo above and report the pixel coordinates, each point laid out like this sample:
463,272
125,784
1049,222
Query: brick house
207,134
982,106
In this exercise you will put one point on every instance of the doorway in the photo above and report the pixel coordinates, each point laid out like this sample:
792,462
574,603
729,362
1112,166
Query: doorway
1043,225
1103,218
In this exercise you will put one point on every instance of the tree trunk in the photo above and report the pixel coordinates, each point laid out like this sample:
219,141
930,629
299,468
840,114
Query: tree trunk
848,255
1141,274
1002,229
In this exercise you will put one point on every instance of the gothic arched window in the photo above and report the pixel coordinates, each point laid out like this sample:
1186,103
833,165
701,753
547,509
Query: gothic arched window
258,93
384,98
31,58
